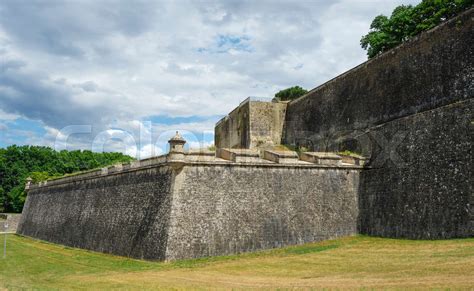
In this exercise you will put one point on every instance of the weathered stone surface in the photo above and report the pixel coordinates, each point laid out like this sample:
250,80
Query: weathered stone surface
200,155
321,158
9,222
281,157
161,213
252,124
411,106
239,155
233,130
410,110
424,189
353,159
223,209
266,123
432,70
125,214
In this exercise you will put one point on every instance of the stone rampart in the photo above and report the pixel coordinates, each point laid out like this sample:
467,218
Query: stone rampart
410,110
424,188
204,205
227,209
432,70
9,222
253,124
125,213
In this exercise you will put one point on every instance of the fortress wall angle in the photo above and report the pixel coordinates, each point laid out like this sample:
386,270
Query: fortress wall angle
205,207
410,111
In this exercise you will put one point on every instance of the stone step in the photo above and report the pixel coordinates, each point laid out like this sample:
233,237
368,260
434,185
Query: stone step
239,155
281,157
321,158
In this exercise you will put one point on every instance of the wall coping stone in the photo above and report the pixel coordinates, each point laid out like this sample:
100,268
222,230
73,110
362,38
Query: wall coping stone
238,155
354,159
322,158
200,152
281,157
217,162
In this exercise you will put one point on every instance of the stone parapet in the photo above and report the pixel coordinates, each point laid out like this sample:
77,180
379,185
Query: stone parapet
281,157
321,158
239,155
204,208
206,157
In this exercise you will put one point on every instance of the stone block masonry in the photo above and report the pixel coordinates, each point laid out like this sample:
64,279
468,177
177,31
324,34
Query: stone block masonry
432,70
124,213
165,209
408,111
9,222
425,190
228,209
253,124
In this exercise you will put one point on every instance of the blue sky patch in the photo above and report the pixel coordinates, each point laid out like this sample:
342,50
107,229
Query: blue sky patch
225,43
21,131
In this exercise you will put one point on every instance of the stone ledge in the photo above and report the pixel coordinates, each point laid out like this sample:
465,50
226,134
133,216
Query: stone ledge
239,155
354,159
200,155
321,158
281,157
228,157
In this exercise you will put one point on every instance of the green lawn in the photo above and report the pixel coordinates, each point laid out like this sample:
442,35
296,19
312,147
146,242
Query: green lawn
353,262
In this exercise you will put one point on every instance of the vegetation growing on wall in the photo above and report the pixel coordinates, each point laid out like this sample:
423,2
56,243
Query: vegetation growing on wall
212,148
287,147
349,153
41,163
289,94
407,21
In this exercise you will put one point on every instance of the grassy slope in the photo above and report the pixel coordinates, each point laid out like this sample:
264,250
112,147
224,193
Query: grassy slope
349,262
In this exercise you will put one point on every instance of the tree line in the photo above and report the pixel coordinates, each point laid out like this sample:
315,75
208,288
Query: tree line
407,21
17,163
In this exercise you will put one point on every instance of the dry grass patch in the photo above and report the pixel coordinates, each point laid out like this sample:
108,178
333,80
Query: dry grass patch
353,262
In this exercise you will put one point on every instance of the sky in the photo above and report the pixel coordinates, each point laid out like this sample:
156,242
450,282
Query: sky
125,75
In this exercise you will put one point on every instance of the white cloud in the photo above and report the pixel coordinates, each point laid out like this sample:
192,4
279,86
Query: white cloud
8,116
114,65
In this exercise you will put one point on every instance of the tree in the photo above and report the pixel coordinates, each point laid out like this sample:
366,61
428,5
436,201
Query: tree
40,163
407,21
290,94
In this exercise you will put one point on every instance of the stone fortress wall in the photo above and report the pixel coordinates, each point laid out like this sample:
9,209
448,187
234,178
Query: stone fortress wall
124,213
254,123
200,204
9,222
410,111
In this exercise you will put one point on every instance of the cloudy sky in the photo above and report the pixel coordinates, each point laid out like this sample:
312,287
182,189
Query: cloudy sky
124,75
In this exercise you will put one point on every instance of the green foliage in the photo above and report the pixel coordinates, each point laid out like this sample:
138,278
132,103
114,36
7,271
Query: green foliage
310,248
407,21
290,94
298,149
212,148
39,176
351,262
41,163
349,153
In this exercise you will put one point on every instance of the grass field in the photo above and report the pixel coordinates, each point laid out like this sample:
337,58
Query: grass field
353,262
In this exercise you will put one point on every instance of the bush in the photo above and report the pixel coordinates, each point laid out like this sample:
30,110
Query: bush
290,94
